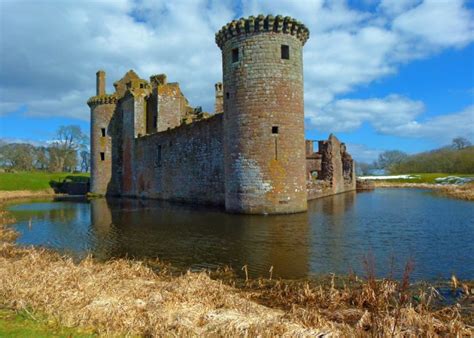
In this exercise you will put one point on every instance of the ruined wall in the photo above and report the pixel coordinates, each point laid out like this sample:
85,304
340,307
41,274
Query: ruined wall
181,164
171,106
334,166
263,116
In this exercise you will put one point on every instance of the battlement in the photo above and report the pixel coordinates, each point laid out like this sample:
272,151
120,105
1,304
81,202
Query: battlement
261,24
102,99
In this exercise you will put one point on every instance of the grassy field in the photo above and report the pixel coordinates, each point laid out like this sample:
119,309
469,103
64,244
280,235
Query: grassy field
426,177
34,180
22,324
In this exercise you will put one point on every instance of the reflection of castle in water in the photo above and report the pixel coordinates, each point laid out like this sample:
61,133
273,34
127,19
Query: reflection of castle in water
201,237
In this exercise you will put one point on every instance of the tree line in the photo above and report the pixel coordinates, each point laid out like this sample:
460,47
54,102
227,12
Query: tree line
458,157
67,152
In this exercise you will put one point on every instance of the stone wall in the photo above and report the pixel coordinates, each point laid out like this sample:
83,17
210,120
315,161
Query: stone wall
263,120
334,168
102,113
172,106
182,164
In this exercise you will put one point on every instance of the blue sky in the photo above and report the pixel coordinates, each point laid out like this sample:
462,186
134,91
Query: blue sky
388,74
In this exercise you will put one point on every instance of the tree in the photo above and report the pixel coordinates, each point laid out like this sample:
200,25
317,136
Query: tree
85,160
363,169
63,151
19,156
460,143
388,159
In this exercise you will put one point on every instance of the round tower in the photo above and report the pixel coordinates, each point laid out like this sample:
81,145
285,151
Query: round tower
264,144
102,111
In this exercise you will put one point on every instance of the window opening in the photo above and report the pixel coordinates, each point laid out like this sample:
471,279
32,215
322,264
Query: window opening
285,52
235,55
275,130
102,156
102,130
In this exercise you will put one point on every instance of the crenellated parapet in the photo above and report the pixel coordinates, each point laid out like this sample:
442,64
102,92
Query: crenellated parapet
261,23
102,99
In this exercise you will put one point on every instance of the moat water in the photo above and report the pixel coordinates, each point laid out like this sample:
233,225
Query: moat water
334,236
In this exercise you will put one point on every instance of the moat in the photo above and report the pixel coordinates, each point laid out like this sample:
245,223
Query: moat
436,233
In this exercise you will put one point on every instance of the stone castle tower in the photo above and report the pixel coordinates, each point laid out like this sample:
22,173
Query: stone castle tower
264,145
249,156
102,112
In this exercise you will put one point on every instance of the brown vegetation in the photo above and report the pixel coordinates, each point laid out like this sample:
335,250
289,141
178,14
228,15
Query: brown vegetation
465,191
131,297
19,194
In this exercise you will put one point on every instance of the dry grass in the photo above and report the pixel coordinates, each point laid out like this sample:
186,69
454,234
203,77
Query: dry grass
465,191
129,297
18,194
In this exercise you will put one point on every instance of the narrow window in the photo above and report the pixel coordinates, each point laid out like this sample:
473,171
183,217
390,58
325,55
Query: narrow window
102,130
235,55
158,156
141,85
285,52
102,156
227,95
274,130
276,148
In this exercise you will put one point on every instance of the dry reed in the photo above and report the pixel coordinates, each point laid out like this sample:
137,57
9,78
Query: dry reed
464,191
128,297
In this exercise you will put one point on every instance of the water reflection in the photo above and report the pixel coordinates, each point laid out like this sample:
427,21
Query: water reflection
200,237
333,236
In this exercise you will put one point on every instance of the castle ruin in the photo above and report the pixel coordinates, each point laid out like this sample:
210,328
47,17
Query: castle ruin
250,155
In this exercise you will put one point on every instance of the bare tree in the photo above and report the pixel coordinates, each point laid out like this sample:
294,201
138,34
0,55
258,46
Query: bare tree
64,150
85,160
460,143
389,159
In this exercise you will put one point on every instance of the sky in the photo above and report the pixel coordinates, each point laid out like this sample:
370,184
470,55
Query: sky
379,74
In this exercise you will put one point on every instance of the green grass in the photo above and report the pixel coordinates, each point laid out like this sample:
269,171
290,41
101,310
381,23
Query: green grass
426,177
21,324
32,180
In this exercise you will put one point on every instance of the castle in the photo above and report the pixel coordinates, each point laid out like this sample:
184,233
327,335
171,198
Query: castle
249,156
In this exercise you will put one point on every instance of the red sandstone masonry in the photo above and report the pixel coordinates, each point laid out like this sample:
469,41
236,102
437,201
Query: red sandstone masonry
252,158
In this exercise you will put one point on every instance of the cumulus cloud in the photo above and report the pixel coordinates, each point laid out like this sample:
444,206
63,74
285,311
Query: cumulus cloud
50,52
362,153
394,115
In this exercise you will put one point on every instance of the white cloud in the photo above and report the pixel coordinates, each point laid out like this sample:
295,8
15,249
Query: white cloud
442,127
438,23
50,52
395,7
362,153
349,114
394,115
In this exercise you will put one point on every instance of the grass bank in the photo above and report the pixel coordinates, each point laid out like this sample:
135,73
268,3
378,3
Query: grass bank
427,178
24,324
428,181
126,297
32,180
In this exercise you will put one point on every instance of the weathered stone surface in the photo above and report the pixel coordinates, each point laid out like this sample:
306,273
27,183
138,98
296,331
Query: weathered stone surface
146,141
264,167
330,170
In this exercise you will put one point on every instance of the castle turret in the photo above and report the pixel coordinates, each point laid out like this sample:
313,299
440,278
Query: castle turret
102,111
264,146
